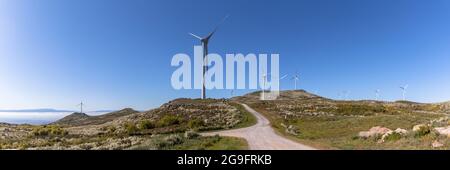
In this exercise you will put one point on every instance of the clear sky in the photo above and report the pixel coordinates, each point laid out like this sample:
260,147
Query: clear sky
116,53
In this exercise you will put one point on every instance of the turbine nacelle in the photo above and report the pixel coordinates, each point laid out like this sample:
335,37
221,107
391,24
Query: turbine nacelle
205,40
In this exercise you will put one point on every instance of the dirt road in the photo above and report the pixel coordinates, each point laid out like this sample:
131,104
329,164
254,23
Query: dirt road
261,136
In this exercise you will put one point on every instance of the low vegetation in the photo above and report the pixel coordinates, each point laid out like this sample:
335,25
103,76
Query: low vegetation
175,125
49,131
331,124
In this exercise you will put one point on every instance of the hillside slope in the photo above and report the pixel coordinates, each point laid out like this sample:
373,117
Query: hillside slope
174,125
328,123
81,119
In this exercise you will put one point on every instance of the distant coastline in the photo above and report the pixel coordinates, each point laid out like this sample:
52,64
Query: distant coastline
48,110
35,110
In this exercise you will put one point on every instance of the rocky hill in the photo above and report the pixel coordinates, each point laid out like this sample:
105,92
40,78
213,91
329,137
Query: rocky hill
182,114
81,119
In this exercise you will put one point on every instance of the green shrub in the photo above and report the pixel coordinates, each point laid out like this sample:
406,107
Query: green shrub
131,128
111,129
49,131
168,141
423,130
191,134
146,124
168,120
174,139
394,136
195,123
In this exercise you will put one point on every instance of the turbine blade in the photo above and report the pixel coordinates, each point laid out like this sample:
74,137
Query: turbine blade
217,26
283,77
198,37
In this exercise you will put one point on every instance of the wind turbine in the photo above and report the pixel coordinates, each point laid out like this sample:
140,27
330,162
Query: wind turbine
205,41
296,77
346,93
282,77
81,107
264,76
404,90
231,93
377,94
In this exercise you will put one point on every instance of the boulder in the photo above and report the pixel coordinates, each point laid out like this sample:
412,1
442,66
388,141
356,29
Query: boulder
292,130
443,130
374,131
401,131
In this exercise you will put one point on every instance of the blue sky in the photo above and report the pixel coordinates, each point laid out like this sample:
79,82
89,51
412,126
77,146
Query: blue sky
115,53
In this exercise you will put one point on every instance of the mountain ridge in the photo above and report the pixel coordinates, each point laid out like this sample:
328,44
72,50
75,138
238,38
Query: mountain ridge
80,119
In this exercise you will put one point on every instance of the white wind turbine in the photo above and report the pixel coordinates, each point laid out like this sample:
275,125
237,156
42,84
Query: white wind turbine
296,78
205,41
346,93
377,94
81,107
264,77
404,88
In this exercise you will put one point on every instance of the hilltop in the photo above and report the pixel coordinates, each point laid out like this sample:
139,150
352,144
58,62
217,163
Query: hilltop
80,119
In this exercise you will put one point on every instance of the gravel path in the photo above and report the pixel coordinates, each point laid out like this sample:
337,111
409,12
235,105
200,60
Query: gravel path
261,136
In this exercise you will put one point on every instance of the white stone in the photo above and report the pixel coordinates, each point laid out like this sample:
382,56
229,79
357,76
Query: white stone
437,144
443,130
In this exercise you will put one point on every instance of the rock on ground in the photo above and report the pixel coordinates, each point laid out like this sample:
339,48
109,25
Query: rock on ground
443,130
374,131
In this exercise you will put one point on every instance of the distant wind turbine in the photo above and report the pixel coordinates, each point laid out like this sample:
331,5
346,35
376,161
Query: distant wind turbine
264,77
404,88
377,94
346,93
282,77
205,41
296,77
81,107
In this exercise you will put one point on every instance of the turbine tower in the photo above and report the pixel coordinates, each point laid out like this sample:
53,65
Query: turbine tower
377,94
404,91
205,41
81,107
264,77
346,93
296,77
